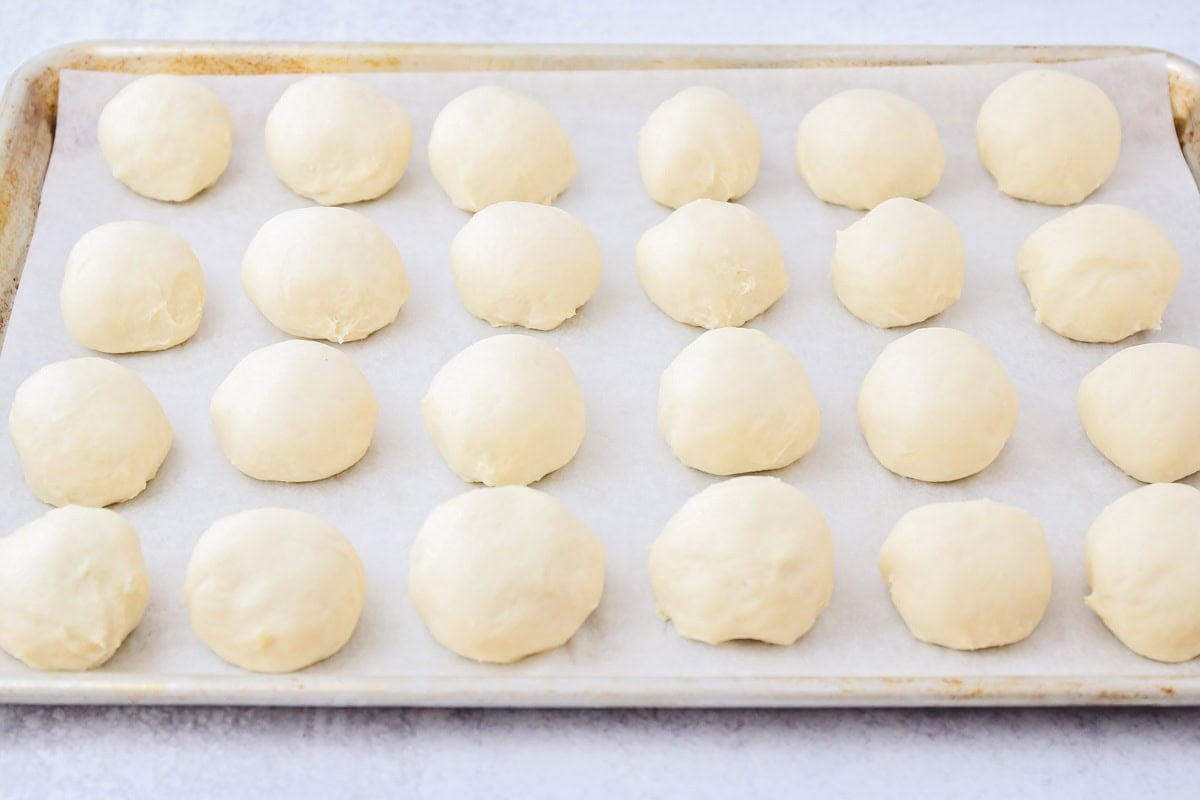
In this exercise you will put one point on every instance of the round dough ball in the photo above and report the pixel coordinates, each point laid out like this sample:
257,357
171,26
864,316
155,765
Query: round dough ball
735,400
1048,136
131,287
72,587
863,146
525,264
1143,555
506,410
899,265
747,558
936,406
166,137
1099,273
699,143
294,411
325,273
711,264
88,432
500,574
492,144
335,140
968,575
273,589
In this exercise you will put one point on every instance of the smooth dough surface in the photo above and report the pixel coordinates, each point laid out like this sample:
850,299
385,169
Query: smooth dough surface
502,573
506,410
1143,556
699,143
747,558
294,411
337,140
1099,273
88,432
711,264
936,406
166,137
968,575
901,264
325,273
492,144
527,264
735,400
274,589
863,146
72,587
1047,136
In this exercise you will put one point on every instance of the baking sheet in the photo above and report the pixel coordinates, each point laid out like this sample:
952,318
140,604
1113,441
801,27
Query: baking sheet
624,481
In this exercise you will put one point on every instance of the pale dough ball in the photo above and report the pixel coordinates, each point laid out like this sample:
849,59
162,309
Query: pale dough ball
968,575
500,574
294,411
1048,136
492,144
325,273
88,432
72,587
936,406
506,410
166,137
273,589
525,264
747,558
735,400
699,143
335,140
1141,409
1143,556
1099,273
711,264
900,264
863,146
132,287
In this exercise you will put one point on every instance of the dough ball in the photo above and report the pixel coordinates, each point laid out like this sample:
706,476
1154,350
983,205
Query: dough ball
711,264
863,146
506,410
88,432
1048,136
166,137
525,264
492,144
335,140
936,406
501,574
325,273
700,143
295,411
899,265
1143,556
274,590
968,575
131,287
72,587
735,400
1099,273
747,558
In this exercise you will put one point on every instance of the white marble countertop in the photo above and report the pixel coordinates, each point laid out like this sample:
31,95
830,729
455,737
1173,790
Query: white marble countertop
223,752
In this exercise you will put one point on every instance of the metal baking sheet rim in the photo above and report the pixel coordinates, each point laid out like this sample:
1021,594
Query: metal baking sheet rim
27,117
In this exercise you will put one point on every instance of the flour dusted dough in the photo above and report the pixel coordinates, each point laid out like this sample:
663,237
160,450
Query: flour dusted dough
294,411
273,589
72,587
166,137
500,574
